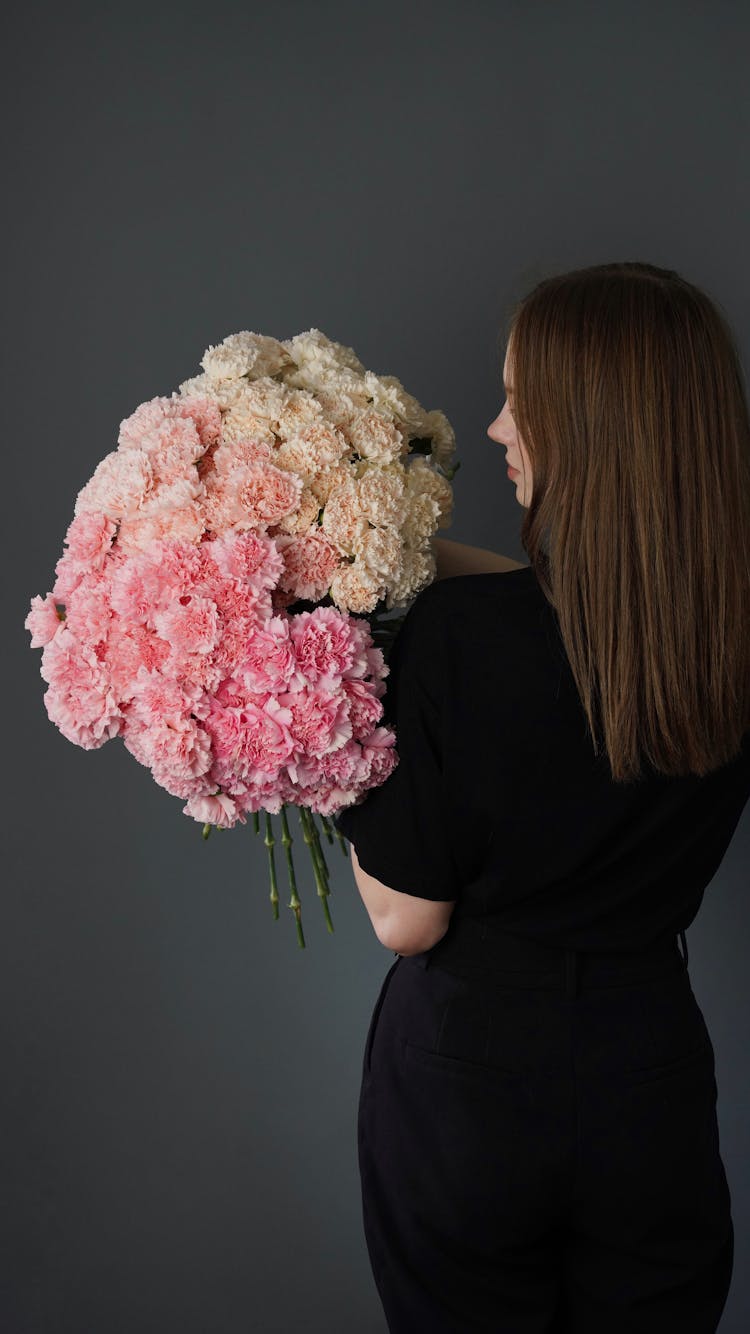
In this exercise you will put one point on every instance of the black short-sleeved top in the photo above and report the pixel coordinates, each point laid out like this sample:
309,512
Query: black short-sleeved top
498,800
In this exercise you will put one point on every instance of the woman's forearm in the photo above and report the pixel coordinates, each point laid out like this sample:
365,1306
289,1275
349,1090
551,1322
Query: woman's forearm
460,558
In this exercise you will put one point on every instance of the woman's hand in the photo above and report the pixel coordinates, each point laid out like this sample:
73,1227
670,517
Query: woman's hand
459,558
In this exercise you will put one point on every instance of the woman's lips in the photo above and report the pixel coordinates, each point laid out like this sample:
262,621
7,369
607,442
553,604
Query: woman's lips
510,470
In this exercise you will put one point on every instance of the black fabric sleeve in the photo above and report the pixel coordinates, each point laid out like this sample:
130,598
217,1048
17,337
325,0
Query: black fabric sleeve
401,829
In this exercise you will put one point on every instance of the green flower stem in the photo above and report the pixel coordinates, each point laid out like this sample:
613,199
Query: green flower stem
269,841
207,830
256,822
326,827
324,889
295,903
319,866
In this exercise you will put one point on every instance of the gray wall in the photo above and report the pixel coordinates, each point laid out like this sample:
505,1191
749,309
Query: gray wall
179,1078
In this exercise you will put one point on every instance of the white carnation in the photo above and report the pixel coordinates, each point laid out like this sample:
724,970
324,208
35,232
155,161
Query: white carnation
439,430
245,353
315,352
381,495
354,588
420,519
376,436
418,569
389,396
379,550
421,477
223,392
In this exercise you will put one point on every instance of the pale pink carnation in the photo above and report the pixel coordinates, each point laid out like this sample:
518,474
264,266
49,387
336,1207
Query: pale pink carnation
250,557
89,538
178,754
158,700
129,647
178,565
119,484
79,700
68,574
240,453
190,625
174,438
309,564
202,669
261,493
148,418
379,750
231,693
43,621
173,493
138,534
132,593
88,609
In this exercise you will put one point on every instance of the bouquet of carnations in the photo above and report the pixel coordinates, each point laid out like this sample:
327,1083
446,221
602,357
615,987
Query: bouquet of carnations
211,604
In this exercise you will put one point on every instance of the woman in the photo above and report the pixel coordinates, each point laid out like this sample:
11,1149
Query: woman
538,1140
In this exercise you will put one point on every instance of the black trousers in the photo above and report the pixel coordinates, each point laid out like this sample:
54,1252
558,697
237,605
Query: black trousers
538,1146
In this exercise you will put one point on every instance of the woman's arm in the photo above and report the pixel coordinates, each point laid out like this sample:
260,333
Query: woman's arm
460,558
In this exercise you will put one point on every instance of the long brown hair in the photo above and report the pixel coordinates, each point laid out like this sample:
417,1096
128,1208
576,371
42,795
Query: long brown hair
629,397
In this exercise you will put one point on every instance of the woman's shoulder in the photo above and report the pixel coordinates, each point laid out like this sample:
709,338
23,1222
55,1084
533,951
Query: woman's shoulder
487,584
463,603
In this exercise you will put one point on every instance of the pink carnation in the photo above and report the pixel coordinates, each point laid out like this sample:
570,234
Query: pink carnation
268,658
219,810
320,719
325,645
263,744
365,708
79,700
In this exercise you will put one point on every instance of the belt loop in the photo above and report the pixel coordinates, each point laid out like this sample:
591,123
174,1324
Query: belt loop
571,972
684,950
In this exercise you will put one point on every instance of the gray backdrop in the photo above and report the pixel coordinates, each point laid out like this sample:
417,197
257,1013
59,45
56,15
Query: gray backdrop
179,1078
